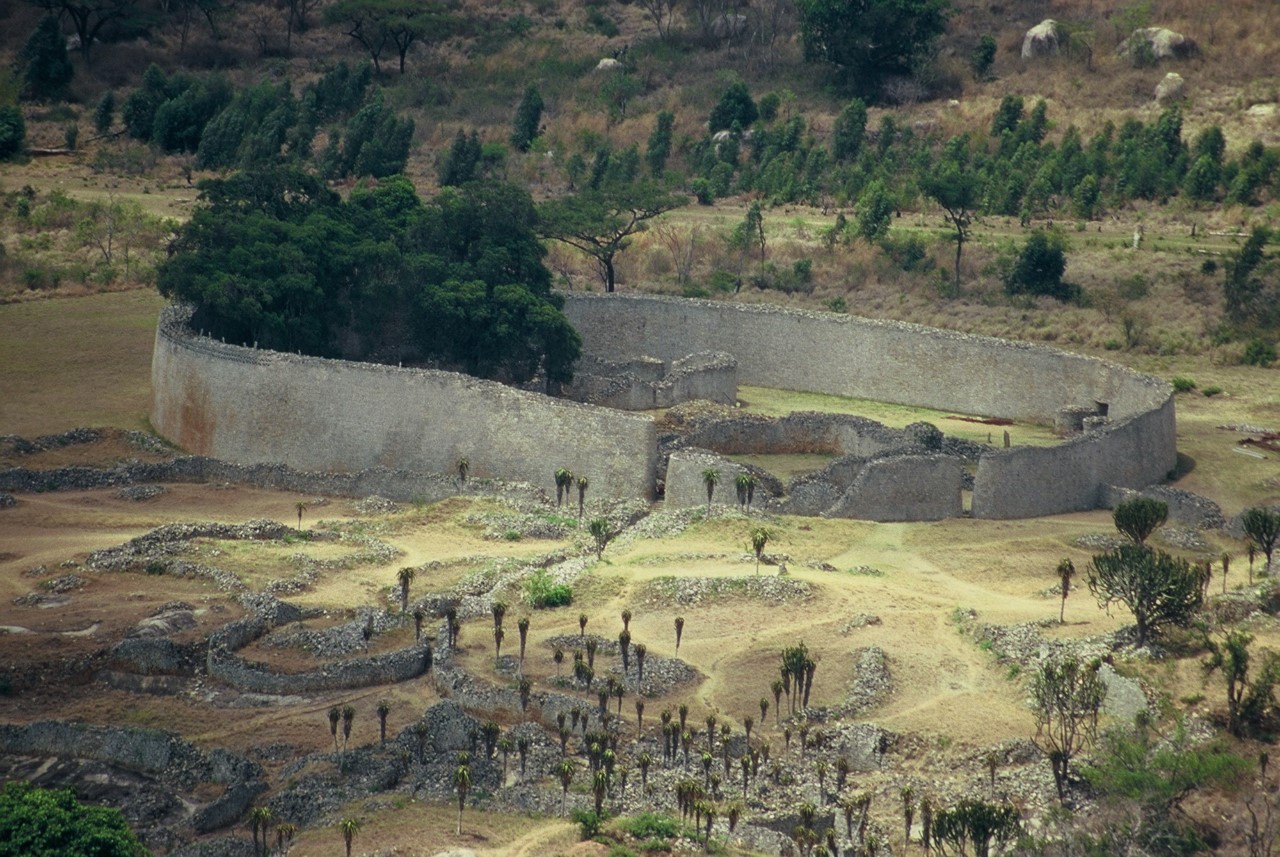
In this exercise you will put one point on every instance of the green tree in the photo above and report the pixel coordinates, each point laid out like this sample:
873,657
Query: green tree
759,539
975,824
1066,571
1067,695
850,131
104,112
1262,529
863,41
273,257
710,477
564,771
602,222
1250,698
38,822
874,210
1140,517
735,107
1159,589
89,17
600,535
1249,298
405,577
383,709
526,126
958,190
43,61
1146,776
375,143
749,234
382,25
659,147
1039,267
983,57
1008,115
349,827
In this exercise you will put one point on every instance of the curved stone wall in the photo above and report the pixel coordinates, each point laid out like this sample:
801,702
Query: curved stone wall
251,406
909,364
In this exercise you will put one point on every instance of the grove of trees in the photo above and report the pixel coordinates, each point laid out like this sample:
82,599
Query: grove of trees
277,259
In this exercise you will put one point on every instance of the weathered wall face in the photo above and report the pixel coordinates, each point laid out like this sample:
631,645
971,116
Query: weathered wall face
1029,481
909,364
904,488
250,406
883,360
685,485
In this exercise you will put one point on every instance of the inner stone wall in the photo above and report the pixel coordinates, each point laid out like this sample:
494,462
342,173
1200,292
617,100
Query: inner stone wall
909,364
251,406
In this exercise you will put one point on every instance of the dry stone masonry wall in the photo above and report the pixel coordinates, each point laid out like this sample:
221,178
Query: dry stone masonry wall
889,361
250,406
255,407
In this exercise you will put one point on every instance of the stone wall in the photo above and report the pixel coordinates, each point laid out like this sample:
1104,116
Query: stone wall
250,406
390,668
644,383
909,364
686,487
904,488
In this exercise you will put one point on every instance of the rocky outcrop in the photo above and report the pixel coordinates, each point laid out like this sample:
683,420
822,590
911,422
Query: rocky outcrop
1157,43
1044,39
1171,88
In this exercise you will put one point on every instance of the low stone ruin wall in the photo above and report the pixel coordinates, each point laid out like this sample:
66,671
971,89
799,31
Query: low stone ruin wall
402,485
390,668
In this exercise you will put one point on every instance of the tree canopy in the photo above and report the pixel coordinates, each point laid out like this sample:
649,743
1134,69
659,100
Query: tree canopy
600,221
1159,589
52,823
866,40
274,257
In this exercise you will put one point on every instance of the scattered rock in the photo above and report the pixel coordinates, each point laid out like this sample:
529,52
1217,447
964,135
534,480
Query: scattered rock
7,501
140,492
1171,88
871,681
1124,700
1041,40
694,590
1099,541
858,620
608,64
728,26
375,505
1157,43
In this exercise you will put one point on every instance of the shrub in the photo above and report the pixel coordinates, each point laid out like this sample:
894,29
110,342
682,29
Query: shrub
589,822
13,132
1259,353
768,106
1210,392
1039,268
908,253
541,590
1182,385
982,58
735,106
651,825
